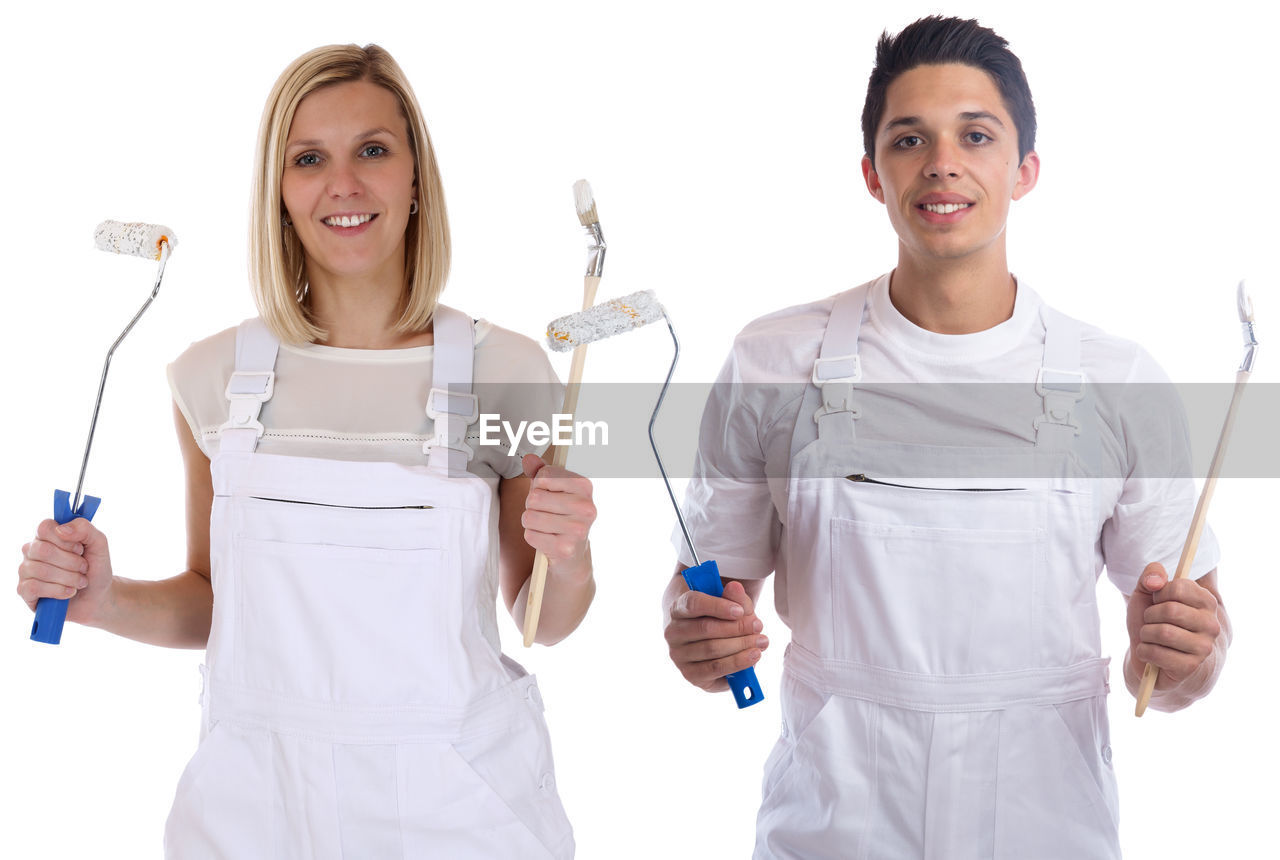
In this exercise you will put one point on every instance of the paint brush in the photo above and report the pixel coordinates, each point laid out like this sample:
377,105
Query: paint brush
1245,307
585,204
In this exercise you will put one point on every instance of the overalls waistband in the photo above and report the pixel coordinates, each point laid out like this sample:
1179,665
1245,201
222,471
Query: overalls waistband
499,710
948,693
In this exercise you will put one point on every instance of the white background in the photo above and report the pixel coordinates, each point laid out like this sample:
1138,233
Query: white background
722,141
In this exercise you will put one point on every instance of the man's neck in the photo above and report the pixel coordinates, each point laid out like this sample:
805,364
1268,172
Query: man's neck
953,298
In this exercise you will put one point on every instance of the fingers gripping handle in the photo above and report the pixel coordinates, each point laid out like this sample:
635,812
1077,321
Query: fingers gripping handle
51,613
706,578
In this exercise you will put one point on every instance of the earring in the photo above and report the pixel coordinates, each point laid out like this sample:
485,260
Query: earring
413,207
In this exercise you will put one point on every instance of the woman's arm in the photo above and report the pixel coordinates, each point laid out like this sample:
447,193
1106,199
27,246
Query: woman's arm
547,508
74,561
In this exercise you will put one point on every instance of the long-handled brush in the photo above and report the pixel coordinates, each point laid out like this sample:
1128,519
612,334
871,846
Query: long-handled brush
585,204
1245,306
137,240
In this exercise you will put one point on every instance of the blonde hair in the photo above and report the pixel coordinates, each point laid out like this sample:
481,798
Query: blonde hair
277,270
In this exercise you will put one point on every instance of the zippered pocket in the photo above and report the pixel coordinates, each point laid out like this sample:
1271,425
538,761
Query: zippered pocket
863,479
346,507
331,521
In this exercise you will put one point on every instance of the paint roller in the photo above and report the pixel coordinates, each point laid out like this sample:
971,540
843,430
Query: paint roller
618,317
134,239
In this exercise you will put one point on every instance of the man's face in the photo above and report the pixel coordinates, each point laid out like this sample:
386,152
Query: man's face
946,164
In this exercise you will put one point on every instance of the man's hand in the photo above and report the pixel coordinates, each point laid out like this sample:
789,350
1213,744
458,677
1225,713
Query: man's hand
710,637
1173,625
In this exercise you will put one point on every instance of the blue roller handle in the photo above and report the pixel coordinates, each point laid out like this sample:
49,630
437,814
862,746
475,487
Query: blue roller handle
706,578
51,612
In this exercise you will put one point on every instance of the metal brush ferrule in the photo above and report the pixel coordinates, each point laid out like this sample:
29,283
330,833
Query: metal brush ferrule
1250,346
654,445
595,250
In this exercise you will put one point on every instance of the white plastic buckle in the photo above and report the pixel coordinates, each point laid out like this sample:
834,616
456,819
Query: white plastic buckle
1061,389
1072,387
440,440
247,391
837,368
445,408
836,376
251,385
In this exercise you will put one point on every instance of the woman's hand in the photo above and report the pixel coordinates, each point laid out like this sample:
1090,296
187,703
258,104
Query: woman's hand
558,513
547,508
70,561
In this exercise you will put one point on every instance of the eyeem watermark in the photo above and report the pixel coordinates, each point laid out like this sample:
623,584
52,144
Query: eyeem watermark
562,430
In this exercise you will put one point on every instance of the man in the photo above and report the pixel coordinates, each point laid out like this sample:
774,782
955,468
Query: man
937,544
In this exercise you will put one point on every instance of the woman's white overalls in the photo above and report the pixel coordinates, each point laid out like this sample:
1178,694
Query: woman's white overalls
356,702
943,692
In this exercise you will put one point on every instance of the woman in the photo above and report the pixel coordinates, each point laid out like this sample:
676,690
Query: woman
356,701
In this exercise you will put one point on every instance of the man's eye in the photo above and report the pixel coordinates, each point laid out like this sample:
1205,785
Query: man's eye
909,142
977,137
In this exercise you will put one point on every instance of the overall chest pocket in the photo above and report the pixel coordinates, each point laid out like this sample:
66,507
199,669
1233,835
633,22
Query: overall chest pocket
938,581
344,605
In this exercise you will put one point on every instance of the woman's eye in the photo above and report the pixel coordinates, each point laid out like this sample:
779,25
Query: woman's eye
307,159
373,150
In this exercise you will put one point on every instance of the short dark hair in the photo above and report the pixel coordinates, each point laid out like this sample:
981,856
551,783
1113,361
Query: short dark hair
936,40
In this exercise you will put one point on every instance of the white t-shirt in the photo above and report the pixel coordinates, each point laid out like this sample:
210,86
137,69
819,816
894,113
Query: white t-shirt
369,404
736,503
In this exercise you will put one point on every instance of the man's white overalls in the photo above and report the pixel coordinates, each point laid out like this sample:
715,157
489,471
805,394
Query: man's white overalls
943,695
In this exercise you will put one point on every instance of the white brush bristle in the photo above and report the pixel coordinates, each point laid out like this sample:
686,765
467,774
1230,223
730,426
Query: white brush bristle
1244,302
135,238
585,203
603,320
582,199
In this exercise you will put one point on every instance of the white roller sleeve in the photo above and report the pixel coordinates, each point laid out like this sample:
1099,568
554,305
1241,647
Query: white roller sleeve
134,238
603,320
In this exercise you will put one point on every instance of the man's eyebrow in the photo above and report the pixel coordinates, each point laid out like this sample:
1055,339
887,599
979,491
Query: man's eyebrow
898,122
967,116
970,116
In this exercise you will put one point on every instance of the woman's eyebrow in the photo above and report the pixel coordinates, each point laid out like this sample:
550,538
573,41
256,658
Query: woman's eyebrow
373,132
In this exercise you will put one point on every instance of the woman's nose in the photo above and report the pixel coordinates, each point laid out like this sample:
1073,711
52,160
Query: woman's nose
342,180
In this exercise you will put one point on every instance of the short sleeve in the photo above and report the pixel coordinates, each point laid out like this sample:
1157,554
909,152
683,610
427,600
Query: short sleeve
197,381
515,383
1158,498
728,508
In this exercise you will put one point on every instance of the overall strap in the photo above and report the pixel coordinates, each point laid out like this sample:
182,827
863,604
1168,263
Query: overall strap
451,404
838,369
251,385
1059,381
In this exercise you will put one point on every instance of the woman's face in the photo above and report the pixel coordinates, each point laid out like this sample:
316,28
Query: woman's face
348,182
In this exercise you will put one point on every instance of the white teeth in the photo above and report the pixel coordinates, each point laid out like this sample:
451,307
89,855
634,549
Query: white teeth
945,208
347,220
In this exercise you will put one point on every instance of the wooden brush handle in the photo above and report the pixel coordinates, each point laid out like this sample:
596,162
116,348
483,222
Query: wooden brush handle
559,456
1151,673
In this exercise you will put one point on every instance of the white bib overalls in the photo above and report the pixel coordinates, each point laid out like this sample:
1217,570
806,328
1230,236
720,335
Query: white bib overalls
356,702
943,695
